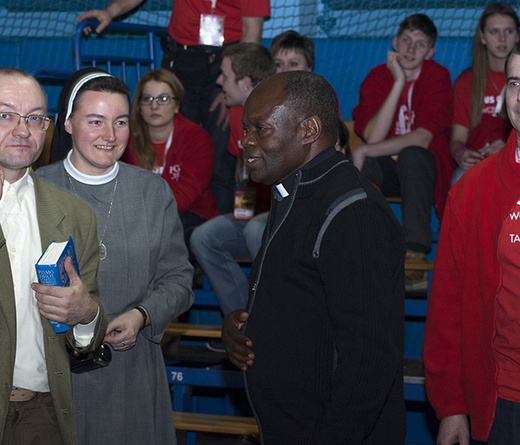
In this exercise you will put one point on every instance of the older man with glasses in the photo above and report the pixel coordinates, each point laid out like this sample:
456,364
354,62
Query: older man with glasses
36,394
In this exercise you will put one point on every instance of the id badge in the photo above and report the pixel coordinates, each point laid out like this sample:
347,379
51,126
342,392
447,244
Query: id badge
245,202
211,30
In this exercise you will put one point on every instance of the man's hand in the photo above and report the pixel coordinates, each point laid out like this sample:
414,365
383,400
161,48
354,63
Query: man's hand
238,346
71,305
392,63
223,117
101,15
105,16
123,330
453,430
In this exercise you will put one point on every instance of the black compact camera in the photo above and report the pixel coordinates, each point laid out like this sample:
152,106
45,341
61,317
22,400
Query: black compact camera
101,357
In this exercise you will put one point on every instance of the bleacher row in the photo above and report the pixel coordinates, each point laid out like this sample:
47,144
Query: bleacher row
207,391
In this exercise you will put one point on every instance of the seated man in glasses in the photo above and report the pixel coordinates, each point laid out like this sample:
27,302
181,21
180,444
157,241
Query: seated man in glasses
174,147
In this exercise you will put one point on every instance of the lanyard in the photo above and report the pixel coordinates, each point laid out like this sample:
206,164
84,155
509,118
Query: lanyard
160,169
213,6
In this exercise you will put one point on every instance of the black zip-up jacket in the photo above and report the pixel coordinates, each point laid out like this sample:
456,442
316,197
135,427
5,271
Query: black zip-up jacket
326,313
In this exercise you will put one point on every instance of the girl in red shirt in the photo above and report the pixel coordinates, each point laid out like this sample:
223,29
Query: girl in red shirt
174,147
479,128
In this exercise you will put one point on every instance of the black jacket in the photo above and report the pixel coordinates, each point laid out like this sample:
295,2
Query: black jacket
326,313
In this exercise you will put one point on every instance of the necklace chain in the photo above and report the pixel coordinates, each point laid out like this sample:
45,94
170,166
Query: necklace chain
102,247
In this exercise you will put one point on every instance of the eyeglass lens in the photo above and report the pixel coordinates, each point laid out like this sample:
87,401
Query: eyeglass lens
34,121
161,100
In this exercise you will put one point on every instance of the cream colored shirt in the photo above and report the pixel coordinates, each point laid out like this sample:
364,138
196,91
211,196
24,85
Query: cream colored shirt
20,226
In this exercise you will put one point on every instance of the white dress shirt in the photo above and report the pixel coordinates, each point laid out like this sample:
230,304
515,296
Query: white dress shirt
20,227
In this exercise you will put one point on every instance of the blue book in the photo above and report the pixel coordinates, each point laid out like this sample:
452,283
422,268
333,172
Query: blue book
50,269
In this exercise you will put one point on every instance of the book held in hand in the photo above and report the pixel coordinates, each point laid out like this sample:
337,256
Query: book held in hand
50,269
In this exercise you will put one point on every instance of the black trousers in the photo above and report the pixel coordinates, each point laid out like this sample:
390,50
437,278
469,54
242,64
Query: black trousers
412,178
506,426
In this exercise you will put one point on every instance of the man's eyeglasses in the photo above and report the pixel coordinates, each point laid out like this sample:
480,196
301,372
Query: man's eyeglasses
159,100
33,121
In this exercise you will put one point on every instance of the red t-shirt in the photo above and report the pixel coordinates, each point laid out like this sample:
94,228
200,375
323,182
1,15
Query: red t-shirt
429,106
507,338
188,168
184,22
492,126
459,356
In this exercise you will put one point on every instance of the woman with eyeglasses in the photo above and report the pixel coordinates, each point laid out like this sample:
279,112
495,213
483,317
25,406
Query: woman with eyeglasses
144,274
172,146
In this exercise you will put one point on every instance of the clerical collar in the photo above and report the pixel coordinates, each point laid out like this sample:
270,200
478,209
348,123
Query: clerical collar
282,191
89,179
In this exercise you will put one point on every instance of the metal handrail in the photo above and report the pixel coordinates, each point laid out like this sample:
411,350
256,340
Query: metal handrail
117,28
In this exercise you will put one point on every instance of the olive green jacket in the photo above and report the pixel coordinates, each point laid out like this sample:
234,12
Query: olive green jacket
60,215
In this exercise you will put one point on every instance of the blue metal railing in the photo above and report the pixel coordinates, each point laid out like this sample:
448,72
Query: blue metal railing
148,61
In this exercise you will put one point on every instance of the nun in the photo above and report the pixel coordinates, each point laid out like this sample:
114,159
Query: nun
144,274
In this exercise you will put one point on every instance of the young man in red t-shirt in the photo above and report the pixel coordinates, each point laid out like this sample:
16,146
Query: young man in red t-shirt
219,241
405,109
